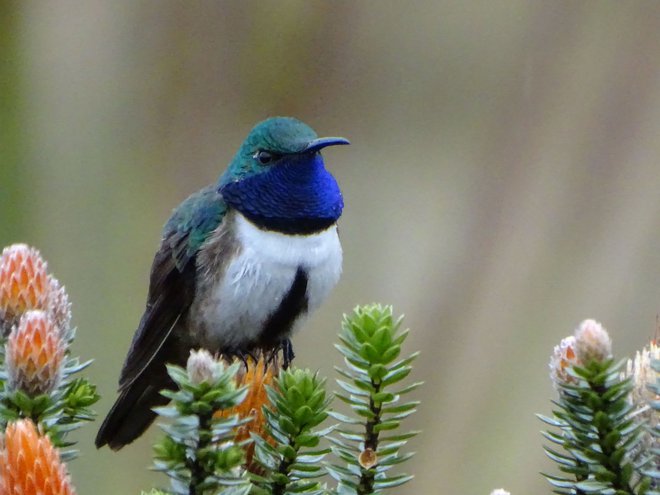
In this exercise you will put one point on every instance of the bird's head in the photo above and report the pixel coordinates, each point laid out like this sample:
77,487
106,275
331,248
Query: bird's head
278,141
278,178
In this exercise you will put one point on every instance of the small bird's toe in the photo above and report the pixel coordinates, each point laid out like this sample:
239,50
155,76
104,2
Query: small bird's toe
287,352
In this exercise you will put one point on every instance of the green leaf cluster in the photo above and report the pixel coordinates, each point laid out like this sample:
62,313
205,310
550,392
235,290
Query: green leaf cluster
200,455
593,426
298,404
368,442
198,452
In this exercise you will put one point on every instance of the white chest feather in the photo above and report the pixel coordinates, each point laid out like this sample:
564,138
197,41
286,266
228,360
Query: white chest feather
260,275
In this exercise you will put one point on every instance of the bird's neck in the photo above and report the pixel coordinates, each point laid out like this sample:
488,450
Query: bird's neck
299,197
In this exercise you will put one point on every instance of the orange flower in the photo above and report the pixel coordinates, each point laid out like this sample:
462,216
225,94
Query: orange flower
34,353
30,465
255,374
24,283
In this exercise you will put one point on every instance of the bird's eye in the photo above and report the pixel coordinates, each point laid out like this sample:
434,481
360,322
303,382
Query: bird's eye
266,157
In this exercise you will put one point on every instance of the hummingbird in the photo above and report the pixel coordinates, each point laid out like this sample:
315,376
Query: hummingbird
240,264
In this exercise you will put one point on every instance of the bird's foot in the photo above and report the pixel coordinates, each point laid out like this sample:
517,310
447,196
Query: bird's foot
272,354
245,355
287,353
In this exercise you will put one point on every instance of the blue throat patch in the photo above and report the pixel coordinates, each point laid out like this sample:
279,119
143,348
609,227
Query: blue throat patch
297,196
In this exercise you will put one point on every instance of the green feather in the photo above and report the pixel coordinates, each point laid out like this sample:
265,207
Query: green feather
192,222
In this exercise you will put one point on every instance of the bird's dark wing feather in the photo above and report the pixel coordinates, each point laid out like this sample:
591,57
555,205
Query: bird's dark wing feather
172,282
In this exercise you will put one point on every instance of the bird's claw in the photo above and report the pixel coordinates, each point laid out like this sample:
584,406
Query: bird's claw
287,353
242,354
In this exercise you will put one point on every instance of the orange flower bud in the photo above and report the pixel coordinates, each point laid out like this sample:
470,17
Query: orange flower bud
34,354
29,464
24,283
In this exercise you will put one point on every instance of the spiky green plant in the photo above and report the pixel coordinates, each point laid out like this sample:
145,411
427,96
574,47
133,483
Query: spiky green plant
298,404
198,453
369,443
593,426
288,454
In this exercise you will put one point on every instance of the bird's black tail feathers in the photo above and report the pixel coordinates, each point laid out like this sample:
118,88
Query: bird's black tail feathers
132,413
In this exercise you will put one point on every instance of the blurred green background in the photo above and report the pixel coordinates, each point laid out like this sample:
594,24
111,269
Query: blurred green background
502,185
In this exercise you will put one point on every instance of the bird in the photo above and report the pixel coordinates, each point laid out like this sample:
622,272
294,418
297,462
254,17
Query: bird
240,265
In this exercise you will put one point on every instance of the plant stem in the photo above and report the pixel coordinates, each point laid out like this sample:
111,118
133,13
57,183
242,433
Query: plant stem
278,487
198,473
366,485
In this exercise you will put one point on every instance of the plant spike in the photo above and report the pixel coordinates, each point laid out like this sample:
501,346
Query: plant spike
198,452
593,416
292,459
370,341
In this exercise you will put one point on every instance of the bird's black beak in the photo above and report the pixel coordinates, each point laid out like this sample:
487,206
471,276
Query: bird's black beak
320,143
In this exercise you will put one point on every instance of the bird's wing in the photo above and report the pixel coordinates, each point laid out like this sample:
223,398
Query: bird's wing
172,280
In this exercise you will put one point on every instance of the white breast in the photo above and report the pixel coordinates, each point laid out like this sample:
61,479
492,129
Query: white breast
260,276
